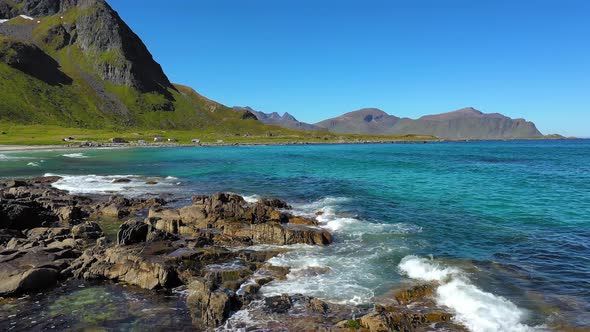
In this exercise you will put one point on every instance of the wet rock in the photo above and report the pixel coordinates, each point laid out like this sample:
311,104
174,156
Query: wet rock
275,203
401,319
278,234
414,294
15,183
318,306
278,304
121,180
302,221
132,231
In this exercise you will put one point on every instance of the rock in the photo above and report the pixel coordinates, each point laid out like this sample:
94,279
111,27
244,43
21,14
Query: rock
401,319
115,210
33,279
195,215
278,234
151,182
69,214
208,307
278,304
15,183
24,270
414,294
23,215
88,230
275,203
132,231
302,221
318,306
65,244
121,180
143,265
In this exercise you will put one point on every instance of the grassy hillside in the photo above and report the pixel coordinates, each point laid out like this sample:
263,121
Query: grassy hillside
30,93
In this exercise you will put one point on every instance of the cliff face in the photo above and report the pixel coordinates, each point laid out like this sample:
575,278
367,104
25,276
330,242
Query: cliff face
466,123
115,52
76,63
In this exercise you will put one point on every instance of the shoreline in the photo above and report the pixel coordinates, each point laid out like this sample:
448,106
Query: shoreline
156,253
98,145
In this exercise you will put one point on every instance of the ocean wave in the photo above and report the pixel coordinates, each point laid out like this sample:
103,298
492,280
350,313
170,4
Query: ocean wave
7,157
344,272
476,309
251,198
127,185
75,155
34,164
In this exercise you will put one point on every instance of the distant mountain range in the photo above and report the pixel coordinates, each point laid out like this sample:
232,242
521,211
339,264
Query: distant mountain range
274,118
466,123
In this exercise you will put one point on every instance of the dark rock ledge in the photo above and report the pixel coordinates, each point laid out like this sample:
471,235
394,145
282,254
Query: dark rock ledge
48,235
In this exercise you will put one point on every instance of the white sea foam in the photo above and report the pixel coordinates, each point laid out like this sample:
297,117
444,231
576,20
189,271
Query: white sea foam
34,164
8,157
476,309
107,184
344,272
251,198
75,155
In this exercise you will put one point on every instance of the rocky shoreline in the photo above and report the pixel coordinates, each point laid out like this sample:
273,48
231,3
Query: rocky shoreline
48,236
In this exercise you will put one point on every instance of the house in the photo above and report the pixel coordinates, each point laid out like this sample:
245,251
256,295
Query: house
67,139
172,140
196,141
118,140
158,139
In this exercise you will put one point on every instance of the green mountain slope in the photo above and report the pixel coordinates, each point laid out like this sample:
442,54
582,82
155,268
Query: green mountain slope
77,64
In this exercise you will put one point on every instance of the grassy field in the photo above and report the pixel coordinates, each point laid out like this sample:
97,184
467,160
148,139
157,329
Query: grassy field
17,134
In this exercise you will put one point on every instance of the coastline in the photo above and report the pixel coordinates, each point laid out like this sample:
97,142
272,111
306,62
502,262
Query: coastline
98,145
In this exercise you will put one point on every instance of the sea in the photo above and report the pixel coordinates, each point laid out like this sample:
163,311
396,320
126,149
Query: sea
503,227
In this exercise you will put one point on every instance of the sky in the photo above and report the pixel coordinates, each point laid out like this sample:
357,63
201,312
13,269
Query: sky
318,59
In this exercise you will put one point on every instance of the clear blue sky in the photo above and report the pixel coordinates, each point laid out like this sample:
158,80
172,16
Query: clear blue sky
317,59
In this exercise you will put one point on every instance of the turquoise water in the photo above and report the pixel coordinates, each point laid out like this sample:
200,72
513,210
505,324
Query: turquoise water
505,226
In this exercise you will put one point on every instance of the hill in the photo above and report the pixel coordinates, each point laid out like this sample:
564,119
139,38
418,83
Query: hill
466,123
76,63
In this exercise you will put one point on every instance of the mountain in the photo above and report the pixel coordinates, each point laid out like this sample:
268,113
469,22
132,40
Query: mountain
76,63
286,120
363,121
466,123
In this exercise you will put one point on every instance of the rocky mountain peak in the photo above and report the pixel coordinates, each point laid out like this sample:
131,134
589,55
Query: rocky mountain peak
117,54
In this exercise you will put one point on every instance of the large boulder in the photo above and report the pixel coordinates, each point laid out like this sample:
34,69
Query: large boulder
32,269
144,265
87,230
207,306
133,231
23,215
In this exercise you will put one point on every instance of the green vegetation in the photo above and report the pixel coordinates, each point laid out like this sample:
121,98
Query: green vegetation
19,134
352,324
